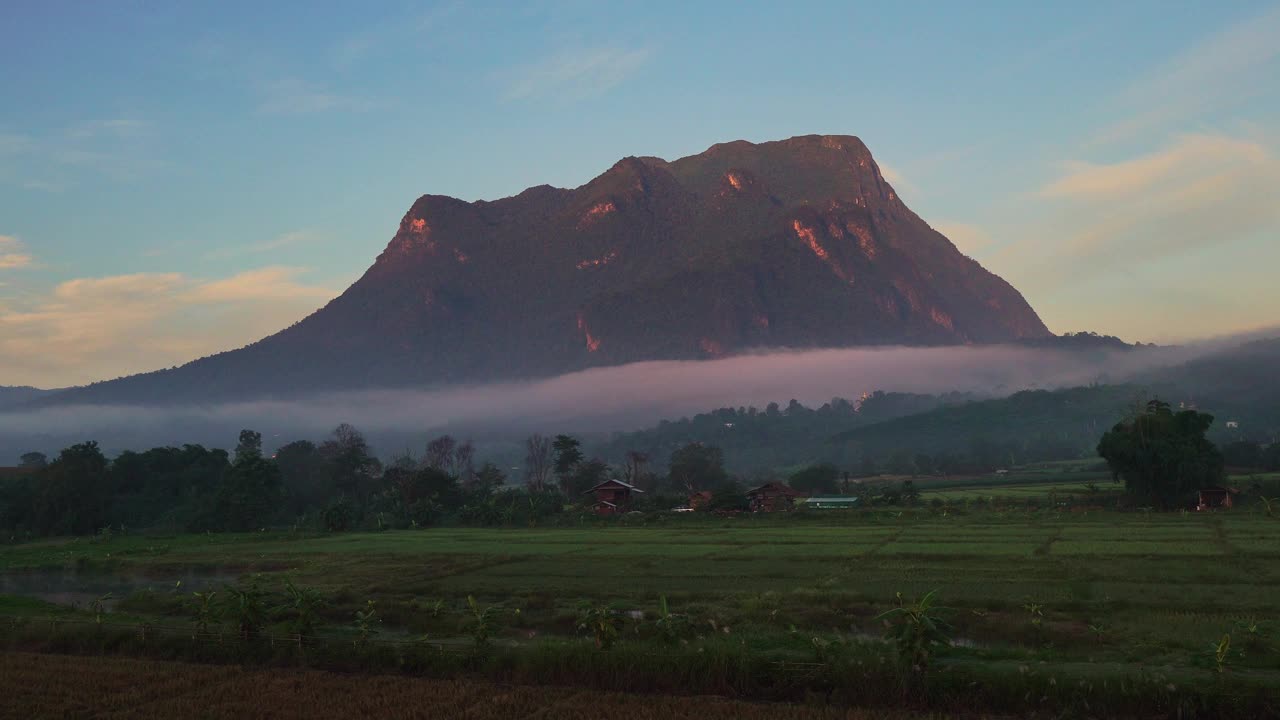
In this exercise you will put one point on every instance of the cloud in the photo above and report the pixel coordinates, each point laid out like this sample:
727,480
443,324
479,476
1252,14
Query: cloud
394,32
89,329
969,239
12,255
1188,155
1224,68
1170,242
114,127
270,283
295,97
575,73
288,239
895,178
1199,190
57,158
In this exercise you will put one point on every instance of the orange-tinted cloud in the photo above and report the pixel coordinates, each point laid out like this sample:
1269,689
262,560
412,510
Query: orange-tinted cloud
91,329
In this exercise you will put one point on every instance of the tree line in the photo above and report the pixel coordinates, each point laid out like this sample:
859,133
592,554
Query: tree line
337,484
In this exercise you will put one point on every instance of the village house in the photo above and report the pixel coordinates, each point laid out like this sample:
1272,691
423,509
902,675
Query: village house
613,497
772,497
1216,497
700,499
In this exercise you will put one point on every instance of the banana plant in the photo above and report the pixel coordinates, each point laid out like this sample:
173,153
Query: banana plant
917,630
206,611
303,606
1222,652
367,621
602,622
246,608
98,607
481,624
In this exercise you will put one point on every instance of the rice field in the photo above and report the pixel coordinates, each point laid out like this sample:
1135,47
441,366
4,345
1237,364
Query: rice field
1068,593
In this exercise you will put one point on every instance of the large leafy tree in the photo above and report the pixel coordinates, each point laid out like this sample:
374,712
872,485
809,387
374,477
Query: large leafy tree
351,462
1163,456
568,453
34,460
824,478
698,467
251,491
307,481
72,495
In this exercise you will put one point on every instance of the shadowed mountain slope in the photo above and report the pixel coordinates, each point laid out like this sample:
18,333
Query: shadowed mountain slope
799,243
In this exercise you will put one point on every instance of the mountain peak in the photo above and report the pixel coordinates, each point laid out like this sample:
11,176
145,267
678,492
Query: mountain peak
795,243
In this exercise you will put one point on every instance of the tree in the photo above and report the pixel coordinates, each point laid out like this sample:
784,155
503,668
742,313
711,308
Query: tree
250,494
697,467
635,469
489,478
351,463
537,462
1163,456
306,483
440,453
824,478
1244,454
568,453
585,475
901,462
728,498
1271,457
33,460
72,494
465,459
250,445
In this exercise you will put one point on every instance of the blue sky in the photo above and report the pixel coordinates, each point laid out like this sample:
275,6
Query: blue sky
181,178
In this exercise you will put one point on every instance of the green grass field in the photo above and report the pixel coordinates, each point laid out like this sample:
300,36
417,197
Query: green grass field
1069,592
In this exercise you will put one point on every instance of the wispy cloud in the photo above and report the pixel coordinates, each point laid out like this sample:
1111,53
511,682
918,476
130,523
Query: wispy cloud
56,158
413,27
290,96
288,239
269,283
1143,232
12,253
113,127
575,73
1172,163
969,239
1226,66
1199,189
895,178
88,329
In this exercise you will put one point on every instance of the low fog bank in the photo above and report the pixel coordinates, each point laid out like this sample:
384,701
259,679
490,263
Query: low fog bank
588,402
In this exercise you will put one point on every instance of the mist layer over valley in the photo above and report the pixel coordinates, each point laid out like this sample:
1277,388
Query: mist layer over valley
592,402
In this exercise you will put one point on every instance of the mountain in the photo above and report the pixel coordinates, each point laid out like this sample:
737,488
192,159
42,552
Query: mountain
15,396
799,243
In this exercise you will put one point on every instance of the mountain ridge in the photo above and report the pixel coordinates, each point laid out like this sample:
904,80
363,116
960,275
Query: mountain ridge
797,243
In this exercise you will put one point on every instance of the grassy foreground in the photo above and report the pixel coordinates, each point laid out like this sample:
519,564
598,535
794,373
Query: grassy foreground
1090,612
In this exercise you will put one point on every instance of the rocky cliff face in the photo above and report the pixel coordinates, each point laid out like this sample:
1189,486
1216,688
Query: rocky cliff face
799,243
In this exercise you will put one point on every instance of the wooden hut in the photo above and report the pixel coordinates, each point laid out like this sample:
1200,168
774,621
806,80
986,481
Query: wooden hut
1214,498
613,496
772,497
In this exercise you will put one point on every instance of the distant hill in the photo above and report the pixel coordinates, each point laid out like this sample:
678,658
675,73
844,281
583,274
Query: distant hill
757,439
1028,425
800,243
1236,384
14,396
